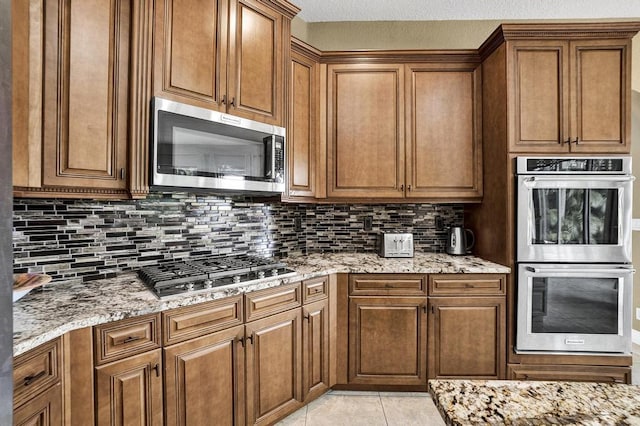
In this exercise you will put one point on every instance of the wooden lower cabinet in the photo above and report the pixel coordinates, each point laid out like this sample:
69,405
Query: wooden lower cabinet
387,341
43,410
570,373
315,349
274,366
467,337
129,391
204,379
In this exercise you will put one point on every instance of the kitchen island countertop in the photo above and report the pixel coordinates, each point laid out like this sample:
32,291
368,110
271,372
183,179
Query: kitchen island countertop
62,307
476,402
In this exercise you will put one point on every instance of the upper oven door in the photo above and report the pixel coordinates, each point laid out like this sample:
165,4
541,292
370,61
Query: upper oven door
574,218
574,308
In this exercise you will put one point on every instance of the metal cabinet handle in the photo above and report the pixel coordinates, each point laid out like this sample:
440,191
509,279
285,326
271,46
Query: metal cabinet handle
408,187
224,100
577,141
402,187
123,173
130,339
233,102
157,369
30,379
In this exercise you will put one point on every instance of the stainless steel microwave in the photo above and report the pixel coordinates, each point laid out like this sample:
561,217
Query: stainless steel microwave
197,148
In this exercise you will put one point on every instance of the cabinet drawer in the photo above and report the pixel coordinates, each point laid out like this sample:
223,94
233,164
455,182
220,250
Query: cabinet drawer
388,285
315,289
36,371
570,373
466,285
262,303
194,321
124,338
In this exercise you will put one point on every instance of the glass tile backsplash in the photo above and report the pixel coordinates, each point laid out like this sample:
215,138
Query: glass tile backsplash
83,240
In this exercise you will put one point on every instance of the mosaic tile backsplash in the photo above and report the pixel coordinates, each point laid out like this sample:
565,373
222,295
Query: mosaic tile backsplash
83,240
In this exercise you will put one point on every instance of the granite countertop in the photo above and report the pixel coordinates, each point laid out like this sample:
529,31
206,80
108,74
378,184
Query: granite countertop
62,307
474,402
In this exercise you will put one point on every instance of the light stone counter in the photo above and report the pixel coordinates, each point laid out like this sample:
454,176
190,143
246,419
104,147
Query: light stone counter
505,402
62,307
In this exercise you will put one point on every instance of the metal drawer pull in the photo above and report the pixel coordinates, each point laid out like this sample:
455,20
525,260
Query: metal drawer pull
131,339
30,379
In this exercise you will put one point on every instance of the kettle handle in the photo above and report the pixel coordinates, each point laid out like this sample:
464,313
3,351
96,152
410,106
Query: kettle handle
470,245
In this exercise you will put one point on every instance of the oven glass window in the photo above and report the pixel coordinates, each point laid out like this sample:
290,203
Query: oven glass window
575,216
194,147
574,305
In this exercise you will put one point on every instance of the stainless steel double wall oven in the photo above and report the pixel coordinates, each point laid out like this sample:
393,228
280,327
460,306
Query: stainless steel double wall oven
574,254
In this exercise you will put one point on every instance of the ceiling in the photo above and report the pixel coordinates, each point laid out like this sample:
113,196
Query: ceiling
439,10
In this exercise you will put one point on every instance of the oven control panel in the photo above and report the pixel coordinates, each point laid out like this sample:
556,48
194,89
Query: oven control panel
574,165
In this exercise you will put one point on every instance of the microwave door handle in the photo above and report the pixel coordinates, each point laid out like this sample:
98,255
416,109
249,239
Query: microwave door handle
579,271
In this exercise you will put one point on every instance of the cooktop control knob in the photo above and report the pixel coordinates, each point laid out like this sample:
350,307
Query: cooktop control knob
274,272
236,279
260,274
208,283
190,286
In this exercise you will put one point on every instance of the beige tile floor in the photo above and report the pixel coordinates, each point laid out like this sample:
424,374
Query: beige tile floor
337,408
347,408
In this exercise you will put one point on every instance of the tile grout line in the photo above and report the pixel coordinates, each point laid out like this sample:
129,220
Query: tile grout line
386,421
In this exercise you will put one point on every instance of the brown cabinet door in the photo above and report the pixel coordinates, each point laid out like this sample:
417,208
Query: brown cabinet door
365,131
302,129
600,88
274,366
387,341
43,410
467,337
255,81
538,73
444,132
315,349
86,93
129,392
191,51
204,380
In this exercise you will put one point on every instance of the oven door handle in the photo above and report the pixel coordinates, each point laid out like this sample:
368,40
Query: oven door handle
598,178
580,271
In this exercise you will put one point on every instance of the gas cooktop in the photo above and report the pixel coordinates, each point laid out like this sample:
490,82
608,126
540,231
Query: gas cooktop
167,279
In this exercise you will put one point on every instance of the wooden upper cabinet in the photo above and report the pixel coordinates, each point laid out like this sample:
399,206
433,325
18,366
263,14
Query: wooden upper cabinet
569,96
443,119
540,107
302,131
600,95
191,51
82,91
365,122
256,85
225,55
86,93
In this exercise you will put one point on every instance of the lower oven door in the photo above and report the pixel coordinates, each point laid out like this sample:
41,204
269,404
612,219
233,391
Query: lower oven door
574,308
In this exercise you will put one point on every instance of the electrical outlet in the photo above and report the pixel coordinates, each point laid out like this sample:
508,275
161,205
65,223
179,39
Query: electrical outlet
297,224
439,224
368,223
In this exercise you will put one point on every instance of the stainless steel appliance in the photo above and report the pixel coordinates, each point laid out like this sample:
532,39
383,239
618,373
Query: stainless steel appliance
574,253
574,307
395,245
574,209
203,149
171,278
460,241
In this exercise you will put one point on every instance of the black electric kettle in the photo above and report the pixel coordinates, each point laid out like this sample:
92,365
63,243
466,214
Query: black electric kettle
460,240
